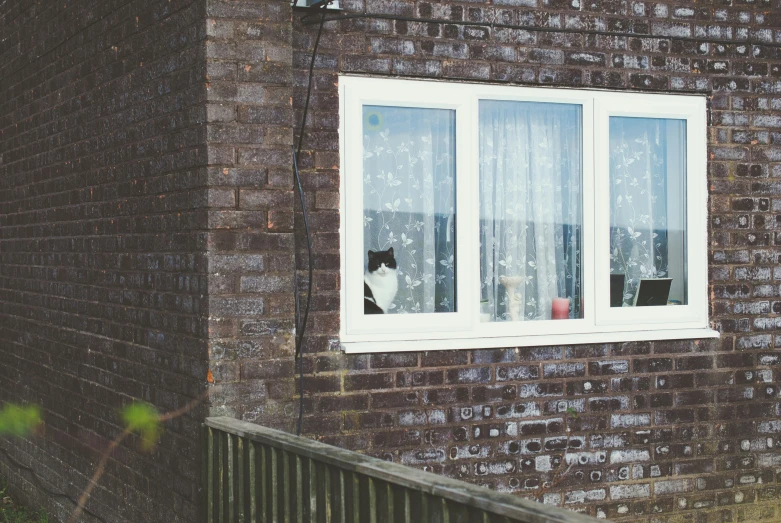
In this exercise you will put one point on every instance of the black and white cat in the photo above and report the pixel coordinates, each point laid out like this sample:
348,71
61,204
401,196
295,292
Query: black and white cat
380,282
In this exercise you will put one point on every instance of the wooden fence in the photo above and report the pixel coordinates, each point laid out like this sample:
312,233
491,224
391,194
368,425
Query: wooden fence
256,474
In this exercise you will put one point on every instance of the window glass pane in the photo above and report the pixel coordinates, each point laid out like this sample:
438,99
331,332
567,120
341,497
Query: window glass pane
409,210
530,211
647,211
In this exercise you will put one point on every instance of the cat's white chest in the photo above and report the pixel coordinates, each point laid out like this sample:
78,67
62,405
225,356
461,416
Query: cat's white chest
383,286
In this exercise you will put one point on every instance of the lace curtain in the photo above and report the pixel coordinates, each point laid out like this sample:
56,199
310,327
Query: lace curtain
641,165
409,201
530,207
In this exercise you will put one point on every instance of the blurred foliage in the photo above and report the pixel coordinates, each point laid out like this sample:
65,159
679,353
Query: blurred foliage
144,420
10,512
19,421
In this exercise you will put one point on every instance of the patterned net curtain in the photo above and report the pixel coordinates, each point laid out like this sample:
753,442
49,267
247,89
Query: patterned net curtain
638,203
409,201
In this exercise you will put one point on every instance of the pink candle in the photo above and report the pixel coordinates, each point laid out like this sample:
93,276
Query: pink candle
560,309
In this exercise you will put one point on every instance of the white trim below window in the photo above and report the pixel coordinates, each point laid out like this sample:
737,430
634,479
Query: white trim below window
543,340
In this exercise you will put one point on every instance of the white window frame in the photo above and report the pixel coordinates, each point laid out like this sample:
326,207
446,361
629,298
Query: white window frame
462,329
396,326
693,110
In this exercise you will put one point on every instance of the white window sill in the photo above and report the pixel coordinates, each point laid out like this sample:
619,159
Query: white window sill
359,347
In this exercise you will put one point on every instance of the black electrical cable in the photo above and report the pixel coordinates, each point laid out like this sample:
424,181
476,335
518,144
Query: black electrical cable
43,487
565,30
301,322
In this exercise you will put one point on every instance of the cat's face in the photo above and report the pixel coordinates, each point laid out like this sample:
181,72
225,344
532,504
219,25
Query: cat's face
381,262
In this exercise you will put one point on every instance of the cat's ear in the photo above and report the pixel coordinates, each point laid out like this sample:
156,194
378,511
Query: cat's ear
390,251
372,254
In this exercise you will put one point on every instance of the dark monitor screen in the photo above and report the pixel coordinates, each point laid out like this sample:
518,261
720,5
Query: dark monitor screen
617,290
653,292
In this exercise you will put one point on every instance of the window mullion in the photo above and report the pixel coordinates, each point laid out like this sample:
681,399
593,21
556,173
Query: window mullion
591,222
467,210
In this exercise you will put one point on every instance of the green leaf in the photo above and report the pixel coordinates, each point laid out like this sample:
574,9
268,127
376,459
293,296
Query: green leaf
143,418
19,421
572,412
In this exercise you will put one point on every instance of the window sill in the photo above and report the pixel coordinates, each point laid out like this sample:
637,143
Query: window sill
359,347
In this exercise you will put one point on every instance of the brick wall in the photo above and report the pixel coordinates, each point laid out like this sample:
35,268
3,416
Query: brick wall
250,239
148,231
667,431
102,176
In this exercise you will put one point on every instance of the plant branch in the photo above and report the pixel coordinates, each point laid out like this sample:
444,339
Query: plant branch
101,468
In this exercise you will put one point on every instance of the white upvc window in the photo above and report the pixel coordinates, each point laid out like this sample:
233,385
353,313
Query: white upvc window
519,216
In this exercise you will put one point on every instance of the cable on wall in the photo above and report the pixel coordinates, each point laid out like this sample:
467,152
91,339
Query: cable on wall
301,322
